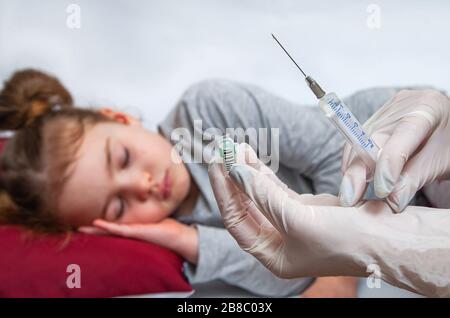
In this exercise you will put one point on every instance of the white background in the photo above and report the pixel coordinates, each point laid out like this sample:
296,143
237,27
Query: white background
142,54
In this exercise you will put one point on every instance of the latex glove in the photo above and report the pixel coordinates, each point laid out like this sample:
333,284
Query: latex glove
262,229
413,132
304,235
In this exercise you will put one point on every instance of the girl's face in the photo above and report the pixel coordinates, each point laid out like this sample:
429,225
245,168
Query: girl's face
124,174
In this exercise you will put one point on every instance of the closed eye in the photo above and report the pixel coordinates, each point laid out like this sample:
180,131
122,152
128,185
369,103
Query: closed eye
126,158
121,210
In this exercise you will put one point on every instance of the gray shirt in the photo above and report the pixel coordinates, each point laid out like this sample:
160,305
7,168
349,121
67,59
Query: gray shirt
310,151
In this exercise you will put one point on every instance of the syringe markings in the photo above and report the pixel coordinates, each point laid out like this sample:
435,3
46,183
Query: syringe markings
353,126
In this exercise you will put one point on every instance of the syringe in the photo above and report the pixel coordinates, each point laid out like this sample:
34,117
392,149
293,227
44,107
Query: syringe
344,120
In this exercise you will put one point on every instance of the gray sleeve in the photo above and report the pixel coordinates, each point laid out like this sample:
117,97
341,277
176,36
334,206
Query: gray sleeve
221,258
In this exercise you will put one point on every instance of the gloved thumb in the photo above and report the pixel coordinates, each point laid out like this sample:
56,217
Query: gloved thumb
354,183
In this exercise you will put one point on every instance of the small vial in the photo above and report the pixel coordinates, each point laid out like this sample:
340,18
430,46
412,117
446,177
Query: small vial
227,150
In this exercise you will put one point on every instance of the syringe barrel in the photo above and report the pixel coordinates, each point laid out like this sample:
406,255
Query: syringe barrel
349,126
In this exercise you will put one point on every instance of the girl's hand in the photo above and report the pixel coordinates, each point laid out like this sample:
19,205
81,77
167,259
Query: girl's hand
168,233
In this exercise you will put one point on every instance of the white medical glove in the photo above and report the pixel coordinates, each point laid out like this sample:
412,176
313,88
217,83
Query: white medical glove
413,132
309,235
261,234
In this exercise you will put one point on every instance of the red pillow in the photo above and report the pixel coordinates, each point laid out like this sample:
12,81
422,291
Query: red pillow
39,266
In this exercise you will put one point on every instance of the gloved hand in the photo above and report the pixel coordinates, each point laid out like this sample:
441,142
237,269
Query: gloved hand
413,132
288,242
309,235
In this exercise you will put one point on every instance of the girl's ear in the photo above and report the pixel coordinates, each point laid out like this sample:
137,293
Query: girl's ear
120,117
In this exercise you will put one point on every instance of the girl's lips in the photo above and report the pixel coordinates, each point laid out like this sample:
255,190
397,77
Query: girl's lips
166,185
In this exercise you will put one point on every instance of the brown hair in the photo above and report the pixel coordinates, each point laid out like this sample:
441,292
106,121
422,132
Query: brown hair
35,162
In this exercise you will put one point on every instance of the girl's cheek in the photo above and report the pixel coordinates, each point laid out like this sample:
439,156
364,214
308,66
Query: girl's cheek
151,213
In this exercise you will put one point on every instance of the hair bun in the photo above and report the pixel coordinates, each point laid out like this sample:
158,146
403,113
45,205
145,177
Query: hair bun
28,95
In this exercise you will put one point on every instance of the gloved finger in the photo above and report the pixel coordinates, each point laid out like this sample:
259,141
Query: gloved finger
267,249
256,185
410,132
347,157
402,194
283,212
268,197
354,182
414,176
384,114
356,173
241,217
246,155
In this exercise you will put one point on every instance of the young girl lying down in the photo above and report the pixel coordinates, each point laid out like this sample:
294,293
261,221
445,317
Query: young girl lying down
68,168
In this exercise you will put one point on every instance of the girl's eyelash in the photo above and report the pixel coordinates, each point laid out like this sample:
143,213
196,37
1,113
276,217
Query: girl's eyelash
127,158
121,209
125,163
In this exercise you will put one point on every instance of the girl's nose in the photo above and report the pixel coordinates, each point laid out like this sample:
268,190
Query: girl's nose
146,187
